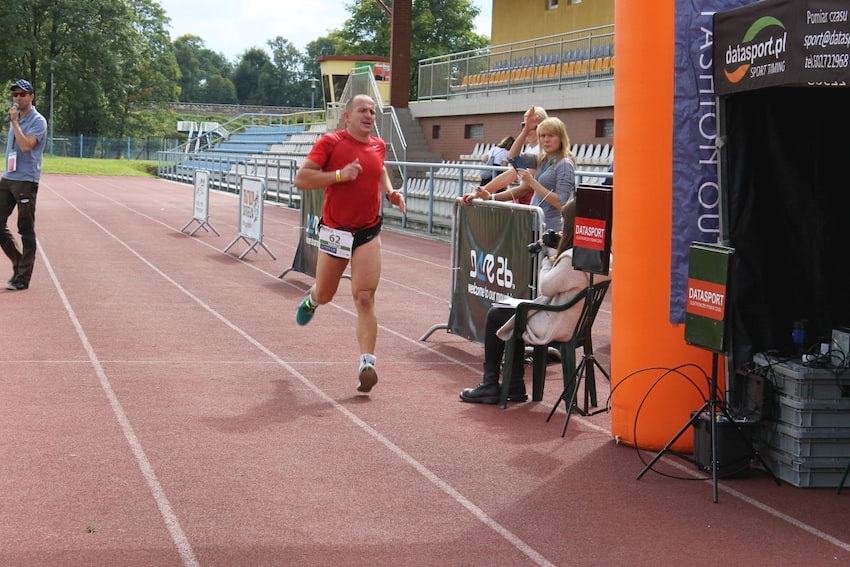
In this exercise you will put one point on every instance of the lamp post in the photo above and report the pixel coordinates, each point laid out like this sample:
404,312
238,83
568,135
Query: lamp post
313,82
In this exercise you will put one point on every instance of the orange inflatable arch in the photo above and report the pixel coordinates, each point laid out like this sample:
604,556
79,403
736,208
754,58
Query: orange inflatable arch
649,405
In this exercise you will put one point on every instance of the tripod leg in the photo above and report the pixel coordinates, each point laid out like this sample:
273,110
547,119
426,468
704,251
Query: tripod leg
580,374
749,444
673,440
589,376
555,407
589,384
843,478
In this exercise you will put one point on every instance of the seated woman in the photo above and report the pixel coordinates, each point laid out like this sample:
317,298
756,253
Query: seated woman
558,283
549,176
498,155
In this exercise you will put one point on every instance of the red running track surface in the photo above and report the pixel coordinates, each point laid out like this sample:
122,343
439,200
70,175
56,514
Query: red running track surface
160,407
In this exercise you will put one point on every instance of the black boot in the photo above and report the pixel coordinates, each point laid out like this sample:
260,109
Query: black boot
487,392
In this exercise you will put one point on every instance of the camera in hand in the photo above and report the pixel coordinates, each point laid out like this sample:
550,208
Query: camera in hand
549,239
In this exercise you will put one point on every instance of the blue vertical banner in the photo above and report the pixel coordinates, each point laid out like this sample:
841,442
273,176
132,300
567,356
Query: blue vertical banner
696,194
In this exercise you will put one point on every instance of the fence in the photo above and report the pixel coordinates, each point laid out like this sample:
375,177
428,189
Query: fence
81,146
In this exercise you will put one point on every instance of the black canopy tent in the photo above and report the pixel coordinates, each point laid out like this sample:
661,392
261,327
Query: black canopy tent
782,74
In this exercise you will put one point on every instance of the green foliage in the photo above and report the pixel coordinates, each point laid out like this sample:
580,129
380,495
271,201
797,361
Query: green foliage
120,167
438,27
104,54
160,123
110,66
246,78
205,76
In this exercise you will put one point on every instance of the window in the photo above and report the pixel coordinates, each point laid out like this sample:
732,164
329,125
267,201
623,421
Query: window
473,131
435,132
605,128
551,4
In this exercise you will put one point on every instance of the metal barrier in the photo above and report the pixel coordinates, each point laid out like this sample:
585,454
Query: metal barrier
490,261
430,189
227,170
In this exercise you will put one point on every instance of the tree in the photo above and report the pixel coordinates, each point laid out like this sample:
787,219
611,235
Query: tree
103,54
282,83
312,69
205,74
322,46
246,78
439,27
366,32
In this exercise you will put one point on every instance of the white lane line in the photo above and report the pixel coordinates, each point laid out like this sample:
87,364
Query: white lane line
425,346
184,548
584,421
159,495
771,511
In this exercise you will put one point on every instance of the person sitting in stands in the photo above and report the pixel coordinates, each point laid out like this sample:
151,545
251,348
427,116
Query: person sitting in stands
558,282
498,155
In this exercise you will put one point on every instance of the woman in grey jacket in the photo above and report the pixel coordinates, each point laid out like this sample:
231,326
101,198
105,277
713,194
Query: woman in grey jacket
558,283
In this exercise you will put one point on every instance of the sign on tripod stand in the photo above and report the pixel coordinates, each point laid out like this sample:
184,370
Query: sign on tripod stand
252,191
705,310
201,203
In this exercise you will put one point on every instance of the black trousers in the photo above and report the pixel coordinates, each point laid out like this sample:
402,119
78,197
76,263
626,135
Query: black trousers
19,194
494,347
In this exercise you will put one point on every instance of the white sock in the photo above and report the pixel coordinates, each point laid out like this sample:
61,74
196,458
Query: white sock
368,358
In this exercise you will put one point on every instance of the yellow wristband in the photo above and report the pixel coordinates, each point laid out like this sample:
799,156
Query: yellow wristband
338,176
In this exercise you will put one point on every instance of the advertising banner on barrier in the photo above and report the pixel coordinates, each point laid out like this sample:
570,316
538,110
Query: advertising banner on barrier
201,211
200,203
492,261
782,42
251,208
696,194
252,192
307,252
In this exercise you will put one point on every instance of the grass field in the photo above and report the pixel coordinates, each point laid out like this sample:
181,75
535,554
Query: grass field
83,166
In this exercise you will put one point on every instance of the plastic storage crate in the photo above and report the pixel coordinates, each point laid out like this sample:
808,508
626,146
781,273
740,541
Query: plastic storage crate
813,413
805,473
807,442
793,378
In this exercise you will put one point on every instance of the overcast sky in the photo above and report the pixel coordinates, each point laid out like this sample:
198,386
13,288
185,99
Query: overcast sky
233,26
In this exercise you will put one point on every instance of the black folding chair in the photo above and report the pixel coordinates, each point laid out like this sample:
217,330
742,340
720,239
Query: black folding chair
591,297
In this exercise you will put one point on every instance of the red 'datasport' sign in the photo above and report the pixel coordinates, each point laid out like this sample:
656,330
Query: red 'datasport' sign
706,299
589,233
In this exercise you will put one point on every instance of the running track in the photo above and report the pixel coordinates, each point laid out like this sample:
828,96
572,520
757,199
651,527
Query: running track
160,407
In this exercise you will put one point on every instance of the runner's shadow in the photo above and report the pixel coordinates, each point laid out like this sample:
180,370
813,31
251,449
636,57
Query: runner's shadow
283,407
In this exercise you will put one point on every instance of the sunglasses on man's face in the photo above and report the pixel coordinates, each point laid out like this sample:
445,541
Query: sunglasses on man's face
19,94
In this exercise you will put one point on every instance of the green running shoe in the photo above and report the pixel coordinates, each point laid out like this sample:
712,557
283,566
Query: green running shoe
305,311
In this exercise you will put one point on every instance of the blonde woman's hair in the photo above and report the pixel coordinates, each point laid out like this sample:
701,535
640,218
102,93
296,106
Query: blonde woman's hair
555,126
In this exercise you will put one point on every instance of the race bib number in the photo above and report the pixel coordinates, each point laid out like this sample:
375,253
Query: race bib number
12,162
335,242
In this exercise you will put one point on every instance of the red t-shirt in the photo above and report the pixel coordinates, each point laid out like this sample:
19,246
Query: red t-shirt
355,204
